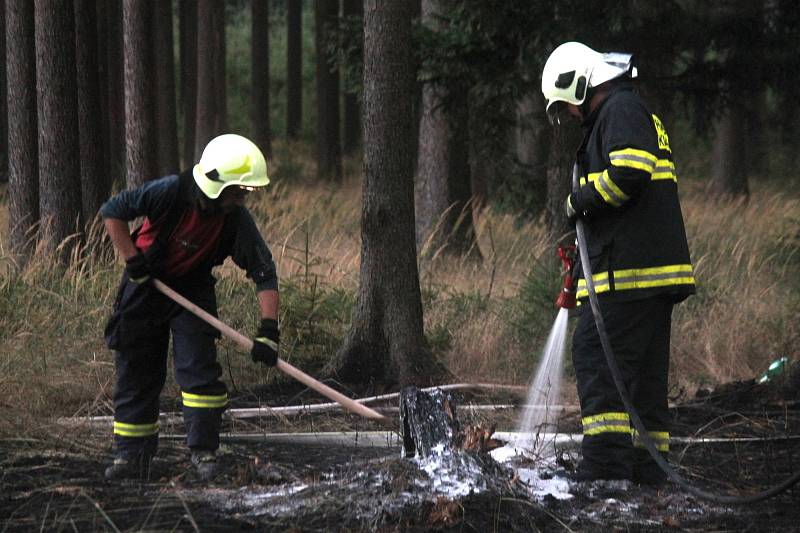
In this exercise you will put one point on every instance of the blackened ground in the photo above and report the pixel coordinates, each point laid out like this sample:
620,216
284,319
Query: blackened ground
53,485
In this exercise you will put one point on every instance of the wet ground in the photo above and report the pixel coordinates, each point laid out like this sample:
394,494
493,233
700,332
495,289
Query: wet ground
51,485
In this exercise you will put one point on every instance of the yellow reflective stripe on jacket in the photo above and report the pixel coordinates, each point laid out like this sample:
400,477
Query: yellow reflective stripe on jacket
609,190
665,170
135,430
659,438
203,401
639,278
606,423
633,158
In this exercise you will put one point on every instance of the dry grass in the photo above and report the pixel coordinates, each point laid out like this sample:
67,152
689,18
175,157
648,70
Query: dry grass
487,320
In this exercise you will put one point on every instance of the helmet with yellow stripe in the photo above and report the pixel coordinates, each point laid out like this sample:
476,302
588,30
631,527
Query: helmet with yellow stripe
573,69
230,160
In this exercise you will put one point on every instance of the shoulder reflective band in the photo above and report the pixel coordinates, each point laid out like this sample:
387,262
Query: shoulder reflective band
633,158
135,430
204,402
665,170
640,278
606,423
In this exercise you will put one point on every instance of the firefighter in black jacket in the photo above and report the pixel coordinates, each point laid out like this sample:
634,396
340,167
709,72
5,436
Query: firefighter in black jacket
628,198
192,223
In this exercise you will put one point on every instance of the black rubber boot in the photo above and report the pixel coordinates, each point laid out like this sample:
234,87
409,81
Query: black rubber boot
128,468
205,464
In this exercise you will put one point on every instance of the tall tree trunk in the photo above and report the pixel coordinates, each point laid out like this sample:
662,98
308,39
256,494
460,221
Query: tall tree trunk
94,181
443,192
294,67
23,157
220,70
166,118
3,96
115,91
206,103
386,342
57,98
560,161
353,9
329,150
187,19
532,138
140,121
730,153
260,73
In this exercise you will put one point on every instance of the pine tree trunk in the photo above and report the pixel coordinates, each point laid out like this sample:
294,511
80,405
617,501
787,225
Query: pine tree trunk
260,73
166,118
294,68
329,151
353,9
730,154
23,157
115,91
3,100
187,20
532,138
560,161
57,97
220,71
386,343
443,192
205,106
95,184
140,120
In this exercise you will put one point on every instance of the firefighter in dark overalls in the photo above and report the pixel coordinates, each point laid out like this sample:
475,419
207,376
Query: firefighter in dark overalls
192,222
628,198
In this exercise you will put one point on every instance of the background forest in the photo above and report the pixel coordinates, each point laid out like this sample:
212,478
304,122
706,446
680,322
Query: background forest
100,95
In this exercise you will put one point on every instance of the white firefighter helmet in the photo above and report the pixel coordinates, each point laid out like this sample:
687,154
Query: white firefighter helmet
573,68
230,160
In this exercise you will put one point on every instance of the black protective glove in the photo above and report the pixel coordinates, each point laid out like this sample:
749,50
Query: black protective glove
265,344
572,215
138,268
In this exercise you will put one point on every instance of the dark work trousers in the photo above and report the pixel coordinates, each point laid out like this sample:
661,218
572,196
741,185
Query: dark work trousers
639,333
141,341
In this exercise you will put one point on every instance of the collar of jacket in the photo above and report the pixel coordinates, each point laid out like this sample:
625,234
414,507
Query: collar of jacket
613,90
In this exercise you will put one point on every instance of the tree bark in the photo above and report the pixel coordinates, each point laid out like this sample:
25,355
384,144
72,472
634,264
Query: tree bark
220,70
260,74
95,184
559,180
115,93
443,192
23,163
329,150
57,98
140,122
353,9
730,153
294,68
3,97
188,55
386,342
166,118
206,103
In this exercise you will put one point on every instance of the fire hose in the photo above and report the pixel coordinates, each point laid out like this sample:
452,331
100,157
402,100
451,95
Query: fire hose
632,413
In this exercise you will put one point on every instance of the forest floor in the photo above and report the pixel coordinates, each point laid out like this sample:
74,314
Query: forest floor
266,484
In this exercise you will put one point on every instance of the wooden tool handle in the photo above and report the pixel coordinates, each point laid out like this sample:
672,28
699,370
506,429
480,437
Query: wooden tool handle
247,345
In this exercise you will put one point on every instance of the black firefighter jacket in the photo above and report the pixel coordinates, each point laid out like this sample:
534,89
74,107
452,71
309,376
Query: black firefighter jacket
628,197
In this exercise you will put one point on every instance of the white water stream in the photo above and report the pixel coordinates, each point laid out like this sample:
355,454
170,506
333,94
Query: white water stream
544,391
